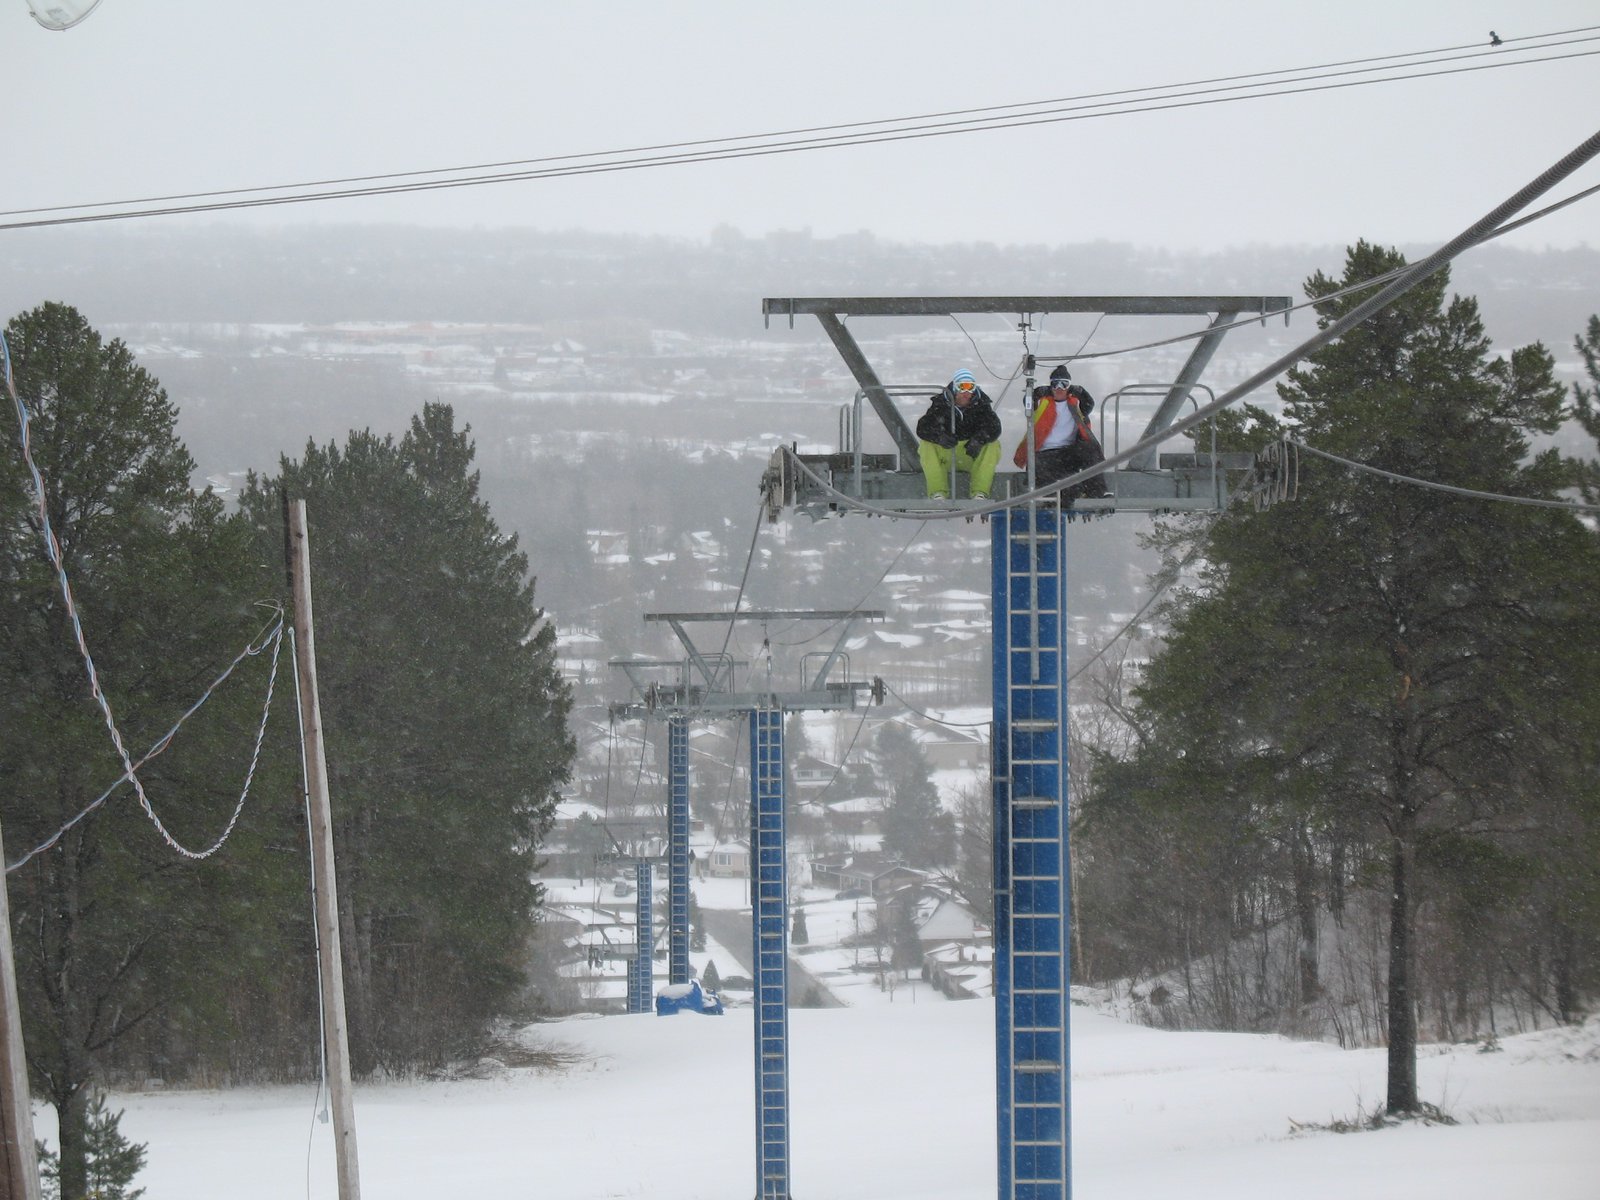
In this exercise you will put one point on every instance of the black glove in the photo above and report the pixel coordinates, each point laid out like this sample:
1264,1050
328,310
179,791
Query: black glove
973,447
947,440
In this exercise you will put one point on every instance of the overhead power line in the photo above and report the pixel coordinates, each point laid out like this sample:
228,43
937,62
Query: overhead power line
1537,41
1449,61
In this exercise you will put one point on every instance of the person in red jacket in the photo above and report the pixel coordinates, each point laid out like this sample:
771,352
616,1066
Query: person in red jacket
1065,442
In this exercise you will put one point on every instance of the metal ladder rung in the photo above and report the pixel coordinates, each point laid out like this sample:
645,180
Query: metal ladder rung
1037,1066
1035,725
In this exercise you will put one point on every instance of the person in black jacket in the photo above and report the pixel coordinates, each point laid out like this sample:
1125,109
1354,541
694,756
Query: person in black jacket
960,431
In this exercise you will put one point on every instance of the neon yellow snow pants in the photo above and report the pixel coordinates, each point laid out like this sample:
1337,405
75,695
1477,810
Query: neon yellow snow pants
936,464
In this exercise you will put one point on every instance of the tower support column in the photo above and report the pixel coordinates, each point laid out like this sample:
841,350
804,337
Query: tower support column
770,952
678,849
641,971
1032,971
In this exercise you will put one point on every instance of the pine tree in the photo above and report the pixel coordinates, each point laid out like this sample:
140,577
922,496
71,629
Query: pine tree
906,946
446,725
111,1160
914,827
118,935
1373,671
1586,402
1567,891
697,925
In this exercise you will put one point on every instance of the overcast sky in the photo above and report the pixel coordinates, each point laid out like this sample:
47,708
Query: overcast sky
151,97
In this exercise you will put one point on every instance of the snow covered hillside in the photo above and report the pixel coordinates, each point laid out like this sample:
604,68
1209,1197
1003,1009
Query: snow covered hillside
896,1100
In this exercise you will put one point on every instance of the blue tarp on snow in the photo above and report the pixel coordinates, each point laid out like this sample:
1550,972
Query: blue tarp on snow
686,997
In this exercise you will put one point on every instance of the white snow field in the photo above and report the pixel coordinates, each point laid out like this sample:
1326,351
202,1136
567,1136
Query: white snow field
896,1100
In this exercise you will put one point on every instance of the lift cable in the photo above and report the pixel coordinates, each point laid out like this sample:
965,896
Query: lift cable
904,132
1374,281
927,716
983,362
744,579
838,770
638,775
1471,493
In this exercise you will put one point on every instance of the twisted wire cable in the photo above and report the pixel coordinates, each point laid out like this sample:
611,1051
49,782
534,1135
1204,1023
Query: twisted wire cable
130,769
273,636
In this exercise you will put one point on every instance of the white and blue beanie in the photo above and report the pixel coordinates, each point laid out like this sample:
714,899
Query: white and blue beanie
961,377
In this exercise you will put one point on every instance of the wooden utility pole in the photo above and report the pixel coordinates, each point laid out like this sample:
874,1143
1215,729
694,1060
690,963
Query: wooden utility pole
335,1031
19,1172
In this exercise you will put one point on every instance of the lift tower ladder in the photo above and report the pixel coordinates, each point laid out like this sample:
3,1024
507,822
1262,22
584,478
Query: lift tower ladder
1031,962
677,849
706,687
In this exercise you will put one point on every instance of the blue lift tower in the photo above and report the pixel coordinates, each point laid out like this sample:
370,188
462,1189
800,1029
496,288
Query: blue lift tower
1032,970
641,993
706,685
641,960
648,696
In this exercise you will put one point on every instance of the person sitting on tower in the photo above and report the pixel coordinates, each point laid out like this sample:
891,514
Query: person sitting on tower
1065,442
960,431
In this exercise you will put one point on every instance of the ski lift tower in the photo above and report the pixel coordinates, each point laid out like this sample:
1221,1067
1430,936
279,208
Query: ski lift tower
1032,971
641,963
706,686
649,696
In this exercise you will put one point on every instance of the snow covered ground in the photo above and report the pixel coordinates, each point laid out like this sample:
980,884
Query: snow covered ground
897,1100
893,1097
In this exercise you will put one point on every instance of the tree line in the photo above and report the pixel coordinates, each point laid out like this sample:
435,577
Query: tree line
444,714
1373,715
